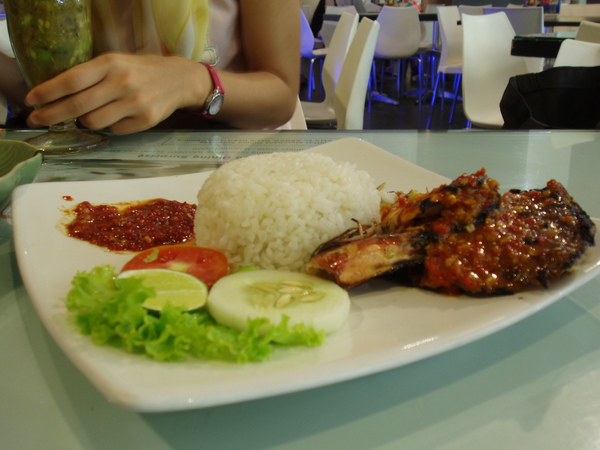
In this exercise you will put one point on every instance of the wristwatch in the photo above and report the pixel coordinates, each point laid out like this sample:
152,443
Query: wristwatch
215,100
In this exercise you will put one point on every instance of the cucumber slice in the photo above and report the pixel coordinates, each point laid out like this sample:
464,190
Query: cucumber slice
270,294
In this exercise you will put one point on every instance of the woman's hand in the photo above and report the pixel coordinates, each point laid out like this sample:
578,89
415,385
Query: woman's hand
125,93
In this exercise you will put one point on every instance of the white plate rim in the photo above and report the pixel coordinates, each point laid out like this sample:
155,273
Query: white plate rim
342,357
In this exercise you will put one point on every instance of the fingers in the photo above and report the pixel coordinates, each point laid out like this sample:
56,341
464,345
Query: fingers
71,81
125,93
65,96
60,110
122,117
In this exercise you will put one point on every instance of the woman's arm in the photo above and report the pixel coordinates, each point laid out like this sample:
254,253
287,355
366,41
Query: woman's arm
271,44
131,93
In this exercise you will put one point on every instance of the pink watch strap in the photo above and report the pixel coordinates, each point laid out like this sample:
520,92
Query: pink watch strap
215,77
215,99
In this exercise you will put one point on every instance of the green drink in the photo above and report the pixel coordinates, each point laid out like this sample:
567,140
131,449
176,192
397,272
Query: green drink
49,37
53,36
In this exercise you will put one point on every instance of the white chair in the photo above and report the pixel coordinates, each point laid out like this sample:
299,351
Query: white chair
310,53
578,53
360,5
487,67
399,39
351,90
588,32
580,9
428,47
524,21
309,7
451,57
561,103
472,10
298,122
472,3
328,27
338,10
428,31
372,7
324,112
528,20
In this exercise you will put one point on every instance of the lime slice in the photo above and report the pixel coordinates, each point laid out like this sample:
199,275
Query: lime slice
179,289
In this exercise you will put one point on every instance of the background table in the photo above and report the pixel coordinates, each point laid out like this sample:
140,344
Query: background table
557,20
544,45
534,385
423,17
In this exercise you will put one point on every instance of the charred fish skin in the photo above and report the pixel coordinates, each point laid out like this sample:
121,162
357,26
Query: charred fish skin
533,239
465,201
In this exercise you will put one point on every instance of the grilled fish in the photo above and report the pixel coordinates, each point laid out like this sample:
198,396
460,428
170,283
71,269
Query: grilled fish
465,237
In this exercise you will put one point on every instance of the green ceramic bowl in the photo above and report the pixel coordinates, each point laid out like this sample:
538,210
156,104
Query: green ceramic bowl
19,164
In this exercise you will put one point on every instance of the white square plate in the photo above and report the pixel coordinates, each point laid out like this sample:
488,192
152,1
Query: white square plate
389,326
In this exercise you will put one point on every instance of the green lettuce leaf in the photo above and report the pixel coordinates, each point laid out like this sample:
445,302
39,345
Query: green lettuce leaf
110,311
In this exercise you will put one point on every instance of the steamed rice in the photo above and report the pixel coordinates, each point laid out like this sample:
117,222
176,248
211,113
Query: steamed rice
272,211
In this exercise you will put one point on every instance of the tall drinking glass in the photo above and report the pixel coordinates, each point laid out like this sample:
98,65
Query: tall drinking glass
48,37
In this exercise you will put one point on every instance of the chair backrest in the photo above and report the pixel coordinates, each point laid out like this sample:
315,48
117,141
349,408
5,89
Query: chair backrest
588,32
578,53
451,34
336,53
472,2
523,20
472,10
307,38
327,30
487,67
372,7
399,32
351,90
502,3
309,7
429,29
579,9
298,121
340,9
329,26
358,4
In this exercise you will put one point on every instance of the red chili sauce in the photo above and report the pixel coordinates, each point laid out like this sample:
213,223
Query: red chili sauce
136,227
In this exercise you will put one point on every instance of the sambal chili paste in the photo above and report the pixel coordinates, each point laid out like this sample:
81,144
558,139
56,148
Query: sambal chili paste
136,227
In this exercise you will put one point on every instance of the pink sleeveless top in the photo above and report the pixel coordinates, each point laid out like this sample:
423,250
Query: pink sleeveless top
134,26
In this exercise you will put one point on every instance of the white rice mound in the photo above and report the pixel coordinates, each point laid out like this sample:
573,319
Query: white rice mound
273,210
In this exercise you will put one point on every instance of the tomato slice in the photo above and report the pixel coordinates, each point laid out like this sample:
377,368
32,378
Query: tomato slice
204,263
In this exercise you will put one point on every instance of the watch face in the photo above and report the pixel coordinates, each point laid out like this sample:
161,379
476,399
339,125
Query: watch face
215,104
